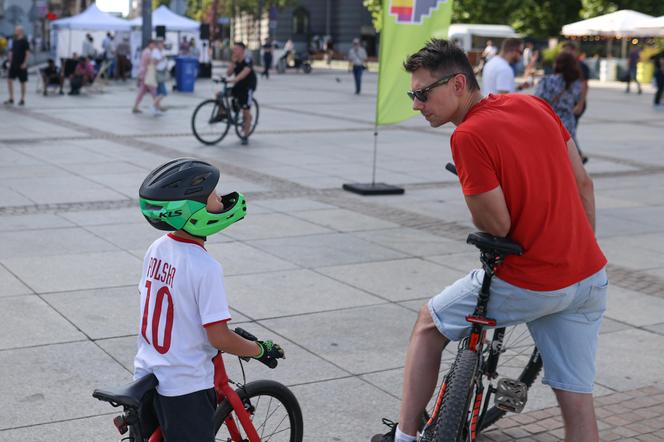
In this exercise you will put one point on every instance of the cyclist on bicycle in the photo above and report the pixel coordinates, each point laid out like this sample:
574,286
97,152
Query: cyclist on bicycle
244,84
183,301
522,178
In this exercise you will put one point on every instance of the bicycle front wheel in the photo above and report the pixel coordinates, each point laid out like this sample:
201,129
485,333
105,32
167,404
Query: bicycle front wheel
453,417
239,120
273,408
210,122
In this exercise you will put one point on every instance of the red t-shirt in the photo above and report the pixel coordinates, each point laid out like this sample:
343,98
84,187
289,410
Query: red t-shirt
518,142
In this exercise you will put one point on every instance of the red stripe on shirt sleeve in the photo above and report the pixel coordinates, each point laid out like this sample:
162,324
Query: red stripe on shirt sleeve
216,322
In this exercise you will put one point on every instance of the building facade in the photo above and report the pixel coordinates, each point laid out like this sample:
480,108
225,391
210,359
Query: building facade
310,23
34,16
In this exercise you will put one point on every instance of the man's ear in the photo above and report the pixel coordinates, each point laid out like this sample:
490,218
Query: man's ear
460,83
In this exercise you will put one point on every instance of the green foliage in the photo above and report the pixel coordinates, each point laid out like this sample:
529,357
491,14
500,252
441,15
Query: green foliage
593,8
375,7
202,9
157,3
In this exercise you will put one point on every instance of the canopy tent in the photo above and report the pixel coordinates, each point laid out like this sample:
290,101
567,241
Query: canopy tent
616,24
92,19
69,33
162,16
651,27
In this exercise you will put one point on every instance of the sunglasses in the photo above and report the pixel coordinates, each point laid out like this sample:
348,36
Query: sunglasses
423,94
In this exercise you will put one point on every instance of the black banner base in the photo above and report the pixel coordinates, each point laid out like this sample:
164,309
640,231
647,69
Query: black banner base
373,189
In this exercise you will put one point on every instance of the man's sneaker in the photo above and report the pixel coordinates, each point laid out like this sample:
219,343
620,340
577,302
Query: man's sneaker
389,436
244,141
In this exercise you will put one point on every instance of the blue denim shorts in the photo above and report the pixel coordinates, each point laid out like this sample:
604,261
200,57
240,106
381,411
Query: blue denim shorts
161,89
563,323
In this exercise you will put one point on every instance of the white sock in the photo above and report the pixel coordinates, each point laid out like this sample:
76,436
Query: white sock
399,436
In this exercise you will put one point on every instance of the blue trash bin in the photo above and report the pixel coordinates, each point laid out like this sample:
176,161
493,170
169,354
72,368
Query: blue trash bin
186,71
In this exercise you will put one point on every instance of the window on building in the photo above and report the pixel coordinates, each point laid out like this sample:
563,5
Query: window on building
300,21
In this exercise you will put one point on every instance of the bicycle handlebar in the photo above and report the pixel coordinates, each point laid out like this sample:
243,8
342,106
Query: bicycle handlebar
451,168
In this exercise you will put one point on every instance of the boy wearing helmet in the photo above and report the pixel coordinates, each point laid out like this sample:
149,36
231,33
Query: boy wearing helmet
183,301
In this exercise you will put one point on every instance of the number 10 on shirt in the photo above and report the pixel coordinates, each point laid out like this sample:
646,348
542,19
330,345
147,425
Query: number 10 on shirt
162,293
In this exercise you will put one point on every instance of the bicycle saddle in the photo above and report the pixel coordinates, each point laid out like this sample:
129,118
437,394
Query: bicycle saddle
128,395
489,243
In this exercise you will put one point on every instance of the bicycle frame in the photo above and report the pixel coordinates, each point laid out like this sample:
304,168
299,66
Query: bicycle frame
225,392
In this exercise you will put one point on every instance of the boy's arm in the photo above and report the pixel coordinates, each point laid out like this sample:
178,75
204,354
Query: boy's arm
226,340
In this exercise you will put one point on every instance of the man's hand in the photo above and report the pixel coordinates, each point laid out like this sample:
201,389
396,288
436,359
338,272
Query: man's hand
269,353
24,66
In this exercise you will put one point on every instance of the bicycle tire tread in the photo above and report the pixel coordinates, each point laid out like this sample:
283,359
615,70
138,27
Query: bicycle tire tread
456,399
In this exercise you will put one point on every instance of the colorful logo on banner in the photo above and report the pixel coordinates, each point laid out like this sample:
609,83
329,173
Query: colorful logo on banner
413,11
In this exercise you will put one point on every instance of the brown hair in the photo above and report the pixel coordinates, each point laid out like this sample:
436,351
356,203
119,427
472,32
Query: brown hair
567,65
442,58
510,44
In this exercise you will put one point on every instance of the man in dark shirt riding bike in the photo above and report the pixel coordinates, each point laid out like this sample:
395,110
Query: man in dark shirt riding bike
244,84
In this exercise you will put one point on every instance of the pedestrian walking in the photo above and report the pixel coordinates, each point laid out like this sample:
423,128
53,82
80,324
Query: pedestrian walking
161,65
634,56
88,49
658,61
562,90
585,75
489,51
357,62
122,63
267,58
147,79
19,56
497,74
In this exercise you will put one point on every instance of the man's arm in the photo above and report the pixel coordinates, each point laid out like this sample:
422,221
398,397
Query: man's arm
583,182
242,75
489,212
230,68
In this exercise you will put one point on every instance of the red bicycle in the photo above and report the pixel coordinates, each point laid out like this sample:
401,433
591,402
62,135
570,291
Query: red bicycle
258,411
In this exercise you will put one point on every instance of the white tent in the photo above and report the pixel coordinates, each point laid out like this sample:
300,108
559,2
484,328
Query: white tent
92,19
70,32
162,16
616,24
651,27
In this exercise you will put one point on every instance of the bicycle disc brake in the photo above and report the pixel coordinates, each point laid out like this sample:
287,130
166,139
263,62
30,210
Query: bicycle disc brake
511,395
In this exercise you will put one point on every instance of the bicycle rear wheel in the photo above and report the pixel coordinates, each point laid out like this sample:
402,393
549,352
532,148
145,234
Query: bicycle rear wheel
210,122
454,413
239,119
274,411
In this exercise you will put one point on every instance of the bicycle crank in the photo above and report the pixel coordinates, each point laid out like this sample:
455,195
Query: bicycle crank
511,395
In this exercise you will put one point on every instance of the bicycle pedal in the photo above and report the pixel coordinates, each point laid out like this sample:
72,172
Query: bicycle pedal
511,395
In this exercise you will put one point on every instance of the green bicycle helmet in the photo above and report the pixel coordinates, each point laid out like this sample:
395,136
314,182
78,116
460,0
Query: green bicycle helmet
174,197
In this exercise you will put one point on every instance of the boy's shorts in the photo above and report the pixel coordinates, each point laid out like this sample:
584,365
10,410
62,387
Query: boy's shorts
563,323
187,418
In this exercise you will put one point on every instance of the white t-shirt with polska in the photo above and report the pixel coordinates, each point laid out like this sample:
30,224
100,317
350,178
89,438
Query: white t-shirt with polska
182,292
497,76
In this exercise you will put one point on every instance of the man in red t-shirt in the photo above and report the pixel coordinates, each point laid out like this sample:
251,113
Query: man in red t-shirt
522,178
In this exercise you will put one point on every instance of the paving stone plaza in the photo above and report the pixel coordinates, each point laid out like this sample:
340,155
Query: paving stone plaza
336,278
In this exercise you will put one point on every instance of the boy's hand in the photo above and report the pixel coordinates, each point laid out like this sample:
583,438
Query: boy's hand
269,354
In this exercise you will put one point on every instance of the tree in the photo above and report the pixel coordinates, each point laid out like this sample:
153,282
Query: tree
375,7
593,8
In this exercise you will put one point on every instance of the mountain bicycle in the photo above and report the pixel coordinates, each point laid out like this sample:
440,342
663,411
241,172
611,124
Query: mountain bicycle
510,359
213,118
266,410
